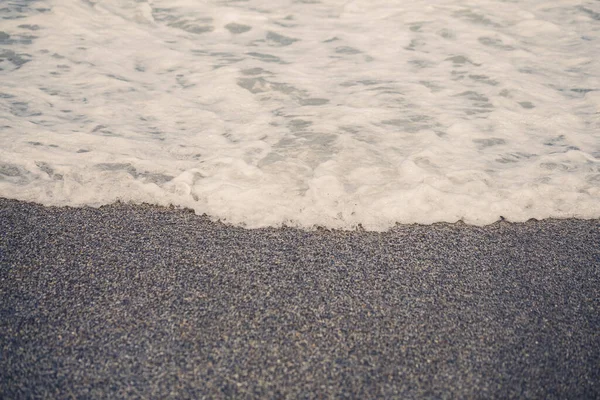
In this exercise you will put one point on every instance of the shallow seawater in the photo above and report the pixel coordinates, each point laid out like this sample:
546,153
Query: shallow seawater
304,112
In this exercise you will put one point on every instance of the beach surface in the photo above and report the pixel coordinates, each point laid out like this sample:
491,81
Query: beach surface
140,301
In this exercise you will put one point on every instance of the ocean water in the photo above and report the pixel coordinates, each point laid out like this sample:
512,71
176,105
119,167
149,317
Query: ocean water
305,112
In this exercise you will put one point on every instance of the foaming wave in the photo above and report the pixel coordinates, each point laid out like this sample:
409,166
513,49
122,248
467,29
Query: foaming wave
303,113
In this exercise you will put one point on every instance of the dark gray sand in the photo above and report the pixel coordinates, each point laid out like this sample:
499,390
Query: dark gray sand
149,302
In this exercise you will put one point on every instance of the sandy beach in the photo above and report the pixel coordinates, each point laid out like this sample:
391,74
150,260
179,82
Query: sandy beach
140,301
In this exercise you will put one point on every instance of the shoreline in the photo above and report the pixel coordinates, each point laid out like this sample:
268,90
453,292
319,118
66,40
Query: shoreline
359,228
148,301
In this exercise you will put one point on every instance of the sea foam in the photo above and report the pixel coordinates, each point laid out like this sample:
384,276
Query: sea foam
332,113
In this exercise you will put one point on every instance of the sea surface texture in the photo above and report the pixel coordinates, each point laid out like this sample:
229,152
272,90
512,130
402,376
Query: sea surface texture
333,113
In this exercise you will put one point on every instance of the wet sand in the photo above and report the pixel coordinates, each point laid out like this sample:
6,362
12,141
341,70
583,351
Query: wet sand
150,302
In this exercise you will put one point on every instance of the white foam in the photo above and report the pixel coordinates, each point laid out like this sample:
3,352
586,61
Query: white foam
336,113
